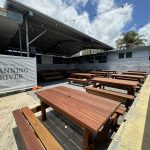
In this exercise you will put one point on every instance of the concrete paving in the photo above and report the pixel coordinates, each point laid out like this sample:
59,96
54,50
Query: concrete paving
7,122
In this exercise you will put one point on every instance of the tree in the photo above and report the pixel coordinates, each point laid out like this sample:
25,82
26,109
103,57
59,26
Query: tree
130,39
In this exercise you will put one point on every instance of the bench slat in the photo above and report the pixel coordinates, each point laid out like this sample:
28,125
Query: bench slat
46,138
29,138
80,81
120,111
77,80
110,94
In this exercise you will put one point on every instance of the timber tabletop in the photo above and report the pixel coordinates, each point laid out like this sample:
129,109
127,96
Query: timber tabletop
115,81
86,110
99,72
135,73
111,71
83,74
128,76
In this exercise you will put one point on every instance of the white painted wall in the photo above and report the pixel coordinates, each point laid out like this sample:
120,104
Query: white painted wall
137,54
139,61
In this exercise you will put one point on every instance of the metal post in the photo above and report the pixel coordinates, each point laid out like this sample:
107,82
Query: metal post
20,40
27,37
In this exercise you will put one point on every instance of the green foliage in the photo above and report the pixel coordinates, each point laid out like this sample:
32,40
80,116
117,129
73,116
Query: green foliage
130,39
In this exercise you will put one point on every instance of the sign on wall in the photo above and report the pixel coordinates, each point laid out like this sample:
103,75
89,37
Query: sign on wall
17,73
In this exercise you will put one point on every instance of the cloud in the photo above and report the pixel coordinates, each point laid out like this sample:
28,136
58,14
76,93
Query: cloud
2,3
106,27
145,30
76,2
105,5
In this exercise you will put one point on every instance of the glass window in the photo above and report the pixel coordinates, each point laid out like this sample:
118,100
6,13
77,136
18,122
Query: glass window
129,55
121,55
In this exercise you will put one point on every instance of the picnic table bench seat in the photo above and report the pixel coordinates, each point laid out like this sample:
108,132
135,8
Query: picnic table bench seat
79,81
33,132
124,98
121,110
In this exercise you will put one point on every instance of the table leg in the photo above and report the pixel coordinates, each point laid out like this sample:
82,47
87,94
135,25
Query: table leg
43,111
131,91
94,84
87,139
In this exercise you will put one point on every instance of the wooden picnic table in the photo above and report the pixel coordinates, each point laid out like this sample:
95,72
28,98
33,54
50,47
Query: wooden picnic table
136,73
101,73
83,75
88,111
128,77
111,71
130,86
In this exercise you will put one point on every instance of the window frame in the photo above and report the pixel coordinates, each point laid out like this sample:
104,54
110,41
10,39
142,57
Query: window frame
119,55
128,54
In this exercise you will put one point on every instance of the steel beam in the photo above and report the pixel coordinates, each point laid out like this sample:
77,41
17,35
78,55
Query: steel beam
37,36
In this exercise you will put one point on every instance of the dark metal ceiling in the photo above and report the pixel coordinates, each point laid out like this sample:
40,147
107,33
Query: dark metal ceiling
59,38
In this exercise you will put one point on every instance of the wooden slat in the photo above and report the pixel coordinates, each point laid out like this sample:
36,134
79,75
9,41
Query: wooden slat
101,73
77,80
101,107
122,108
120,111
29,138
46,138
88,97
85,75
85,103
76,116
111,93
78,108
115,81
111,71
135,73
71,102
127,75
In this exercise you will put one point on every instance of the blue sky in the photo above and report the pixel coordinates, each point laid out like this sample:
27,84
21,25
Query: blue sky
106,27
141,14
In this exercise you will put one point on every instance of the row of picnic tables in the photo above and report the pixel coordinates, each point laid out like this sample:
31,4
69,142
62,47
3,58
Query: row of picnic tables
90,112
139,76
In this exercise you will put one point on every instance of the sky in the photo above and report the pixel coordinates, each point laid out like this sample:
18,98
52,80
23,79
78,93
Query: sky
104,20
